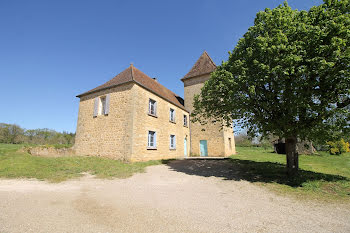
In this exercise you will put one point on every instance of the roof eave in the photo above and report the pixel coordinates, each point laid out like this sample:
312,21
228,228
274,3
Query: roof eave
194,76
148,89
102,89
134,81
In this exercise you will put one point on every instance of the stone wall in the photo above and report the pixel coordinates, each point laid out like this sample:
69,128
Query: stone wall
50,151
123,133
217,137
143,122
229,141
106,135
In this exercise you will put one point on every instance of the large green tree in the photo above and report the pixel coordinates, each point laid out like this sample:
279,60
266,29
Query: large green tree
288,76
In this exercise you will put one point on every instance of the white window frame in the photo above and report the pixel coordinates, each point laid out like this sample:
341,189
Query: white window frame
149,135
150,103
172,115
172,144
185,122
102,105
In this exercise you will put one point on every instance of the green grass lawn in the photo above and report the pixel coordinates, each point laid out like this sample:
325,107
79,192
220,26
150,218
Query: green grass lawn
320,176
15,164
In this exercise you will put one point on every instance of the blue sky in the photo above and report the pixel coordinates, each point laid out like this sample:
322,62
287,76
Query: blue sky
50,51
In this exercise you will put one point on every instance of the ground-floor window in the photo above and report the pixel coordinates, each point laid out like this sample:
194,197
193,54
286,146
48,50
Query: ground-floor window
172,142
152,139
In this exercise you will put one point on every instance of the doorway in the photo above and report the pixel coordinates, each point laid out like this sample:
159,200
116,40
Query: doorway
203,145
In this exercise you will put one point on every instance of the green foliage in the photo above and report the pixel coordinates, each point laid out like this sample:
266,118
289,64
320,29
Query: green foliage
15,164
321,176
11,133
338,147
288,76
264,143
14,134
243,140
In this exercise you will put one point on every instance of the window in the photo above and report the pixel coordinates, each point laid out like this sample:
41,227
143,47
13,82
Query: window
230,143
172,142
152,140
185,120
102,106
152,107
172,115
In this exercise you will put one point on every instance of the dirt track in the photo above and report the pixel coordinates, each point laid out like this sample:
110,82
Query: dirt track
167,198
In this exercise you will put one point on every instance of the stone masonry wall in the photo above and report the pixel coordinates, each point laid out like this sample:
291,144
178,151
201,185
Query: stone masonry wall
123,133
50,151
229,140
161,124
217,137
106,135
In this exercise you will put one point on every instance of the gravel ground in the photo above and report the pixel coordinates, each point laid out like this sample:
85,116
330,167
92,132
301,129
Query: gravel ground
167,198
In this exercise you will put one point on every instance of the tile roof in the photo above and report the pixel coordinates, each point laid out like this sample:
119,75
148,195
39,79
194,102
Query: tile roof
133,74
203,65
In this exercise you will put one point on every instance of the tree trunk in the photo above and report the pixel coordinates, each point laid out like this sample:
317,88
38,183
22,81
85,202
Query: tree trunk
292,156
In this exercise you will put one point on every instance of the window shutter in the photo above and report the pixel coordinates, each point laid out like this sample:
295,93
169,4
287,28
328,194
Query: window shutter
96,107
155,139
107,104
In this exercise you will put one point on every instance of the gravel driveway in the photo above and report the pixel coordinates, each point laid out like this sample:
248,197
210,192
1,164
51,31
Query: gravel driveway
167,198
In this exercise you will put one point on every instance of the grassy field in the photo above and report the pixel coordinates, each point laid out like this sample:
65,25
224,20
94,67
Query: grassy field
15,164
320,176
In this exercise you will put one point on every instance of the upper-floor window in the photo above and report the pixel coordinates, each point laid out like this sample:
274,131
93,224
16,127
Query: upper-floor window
172,115
172,141
152,107
101,106
185,120
152,139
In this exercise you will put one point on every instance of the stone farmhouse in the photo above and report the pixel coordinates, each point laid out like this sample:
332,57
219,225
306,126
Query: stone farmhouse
133,117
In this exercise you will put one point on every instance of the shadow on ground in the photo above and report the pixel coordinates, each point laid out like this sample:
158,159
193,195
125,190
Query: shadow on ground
235,169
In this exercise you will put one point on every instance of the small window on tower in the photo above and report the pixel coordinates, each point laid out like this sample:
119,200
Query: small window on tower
185,120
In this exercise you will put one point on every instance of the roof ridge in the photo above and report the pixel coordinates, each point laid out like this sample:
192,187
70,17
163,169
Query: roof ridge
134,75
210,58
203,65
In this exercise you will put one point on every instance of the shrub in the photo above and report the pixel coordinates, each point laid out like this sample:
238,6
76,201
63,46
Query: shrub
338,147
243,140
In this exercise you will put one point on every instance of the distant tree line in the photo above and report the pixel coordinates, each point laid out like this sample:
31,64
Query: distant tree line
242,139
14,134
340,143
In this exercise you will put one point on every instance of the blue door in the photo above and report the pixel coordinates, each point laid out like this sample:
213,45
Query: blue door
203,147
185,147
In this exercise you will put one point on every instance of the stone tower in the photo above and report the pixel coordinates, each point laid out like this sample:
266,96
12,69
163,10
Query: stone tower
210,139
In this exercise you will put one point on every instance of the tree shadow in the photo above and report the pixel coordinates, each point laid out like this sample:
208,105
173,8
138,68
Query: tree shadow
236,169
